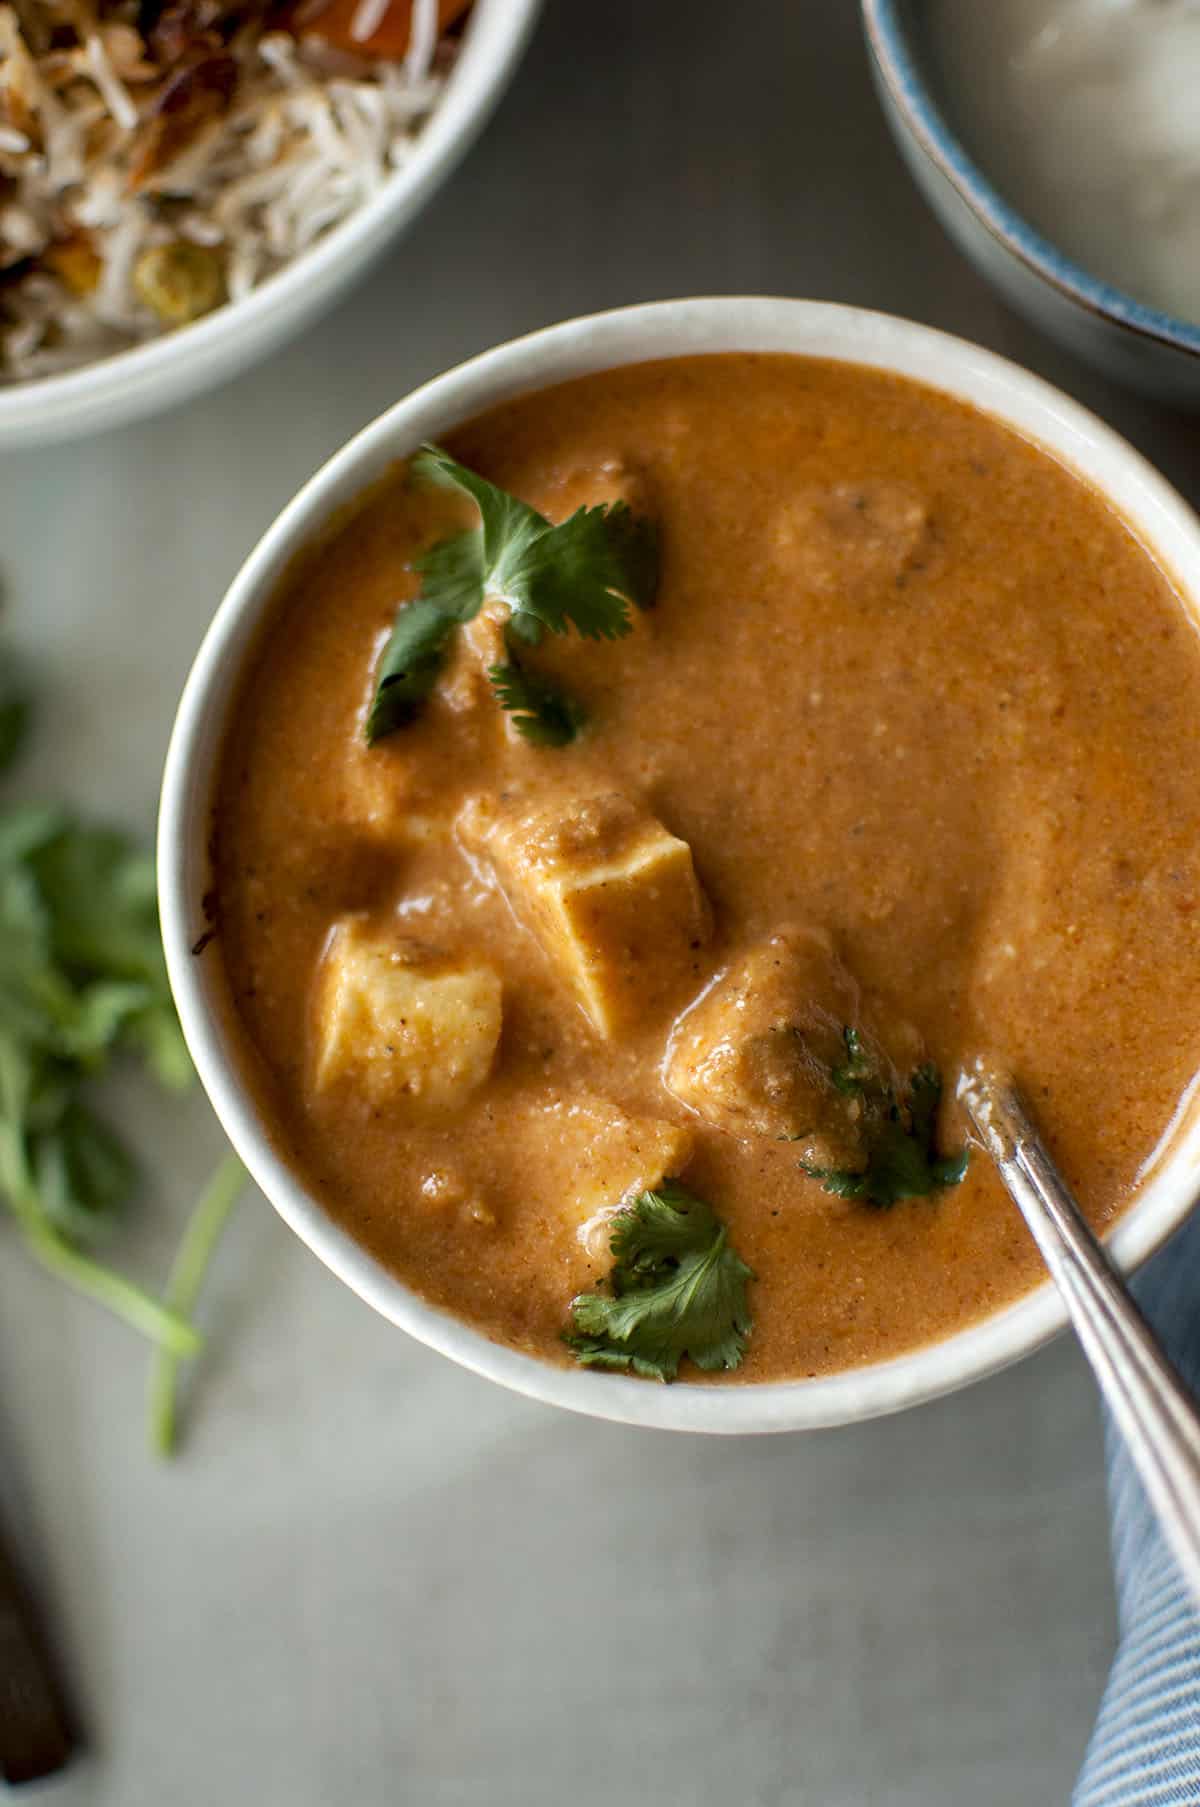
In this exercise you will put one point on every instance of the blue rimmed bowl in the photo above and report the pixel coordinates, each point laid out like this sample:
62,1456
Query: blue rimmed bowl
1151,351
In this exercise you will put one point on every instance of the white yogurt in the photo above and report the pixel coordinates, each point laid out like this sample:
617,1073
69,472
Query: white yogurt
1086,116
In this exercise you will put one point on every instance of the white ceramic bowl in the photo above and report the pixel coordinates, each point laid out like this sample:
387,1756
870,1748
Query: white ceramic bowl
1133,343
666,329
178,365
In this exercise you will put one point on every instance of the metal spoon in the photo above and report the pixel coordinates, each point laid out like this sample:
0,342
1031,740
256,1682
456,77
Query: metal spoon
1155,1415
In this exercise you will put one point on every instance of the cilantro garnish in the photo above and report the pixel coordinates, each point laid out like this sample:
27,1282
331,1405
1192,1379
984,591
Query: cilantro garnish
676,1289
901,1134
412,662
541,714
83,985
583,574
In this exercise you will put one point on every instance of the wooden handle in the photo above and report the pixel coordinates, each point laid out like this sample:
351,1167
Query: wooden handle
34,1740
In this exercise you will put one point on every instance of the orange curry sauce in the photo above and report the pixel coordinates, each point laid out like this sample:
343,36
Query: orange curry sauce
907,679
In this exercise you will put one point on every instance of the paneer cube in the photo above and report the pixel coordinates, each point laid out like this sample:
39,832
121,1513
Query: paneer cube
410,1028
592,1158
610,894
755,1055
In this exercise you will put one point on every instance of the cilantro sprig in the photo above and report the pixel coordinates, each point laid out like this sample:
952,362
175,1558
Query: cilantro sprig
585,574
676,1289
83,987
901,1133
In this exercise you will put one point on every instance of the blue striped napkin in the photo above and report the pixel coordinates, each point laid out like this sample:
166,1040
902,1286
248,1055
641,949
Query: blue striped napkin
1145,1750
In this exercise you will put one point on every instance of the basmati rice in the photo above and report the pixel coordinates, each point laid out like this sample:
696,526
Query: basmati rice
307,135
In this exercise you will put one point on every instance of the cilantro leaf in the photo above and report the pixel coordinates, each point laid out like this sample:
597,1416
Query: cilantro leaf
103,1011
154,1036
412,660
100,893
676,1289
82,981
584,574
635,547
902,1158
37,1003
574,575
24,828
477,563
524,630
541,714
80,963
454,577
83,1172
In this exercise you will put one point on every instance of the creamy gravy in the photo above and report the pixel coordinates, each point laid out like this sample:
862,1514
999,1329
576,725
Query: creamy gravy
907,679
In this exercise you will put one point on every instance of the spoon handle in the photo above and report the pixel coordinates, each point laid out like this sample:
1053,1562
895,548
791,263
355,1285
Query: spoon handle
1155,1415
34,1739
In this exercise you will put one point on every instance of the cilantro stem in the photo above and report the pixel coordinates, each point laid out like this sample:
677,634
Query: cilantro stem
191,1264
127,1301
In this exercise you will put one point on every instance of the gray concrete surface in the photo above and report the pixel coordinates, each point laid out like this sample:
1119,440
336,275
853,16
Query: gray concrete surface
371,1578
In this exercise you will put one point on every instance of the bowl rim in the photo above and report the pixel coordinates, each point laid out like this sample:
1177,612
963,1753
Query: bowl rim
898,63
115,388
631,335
